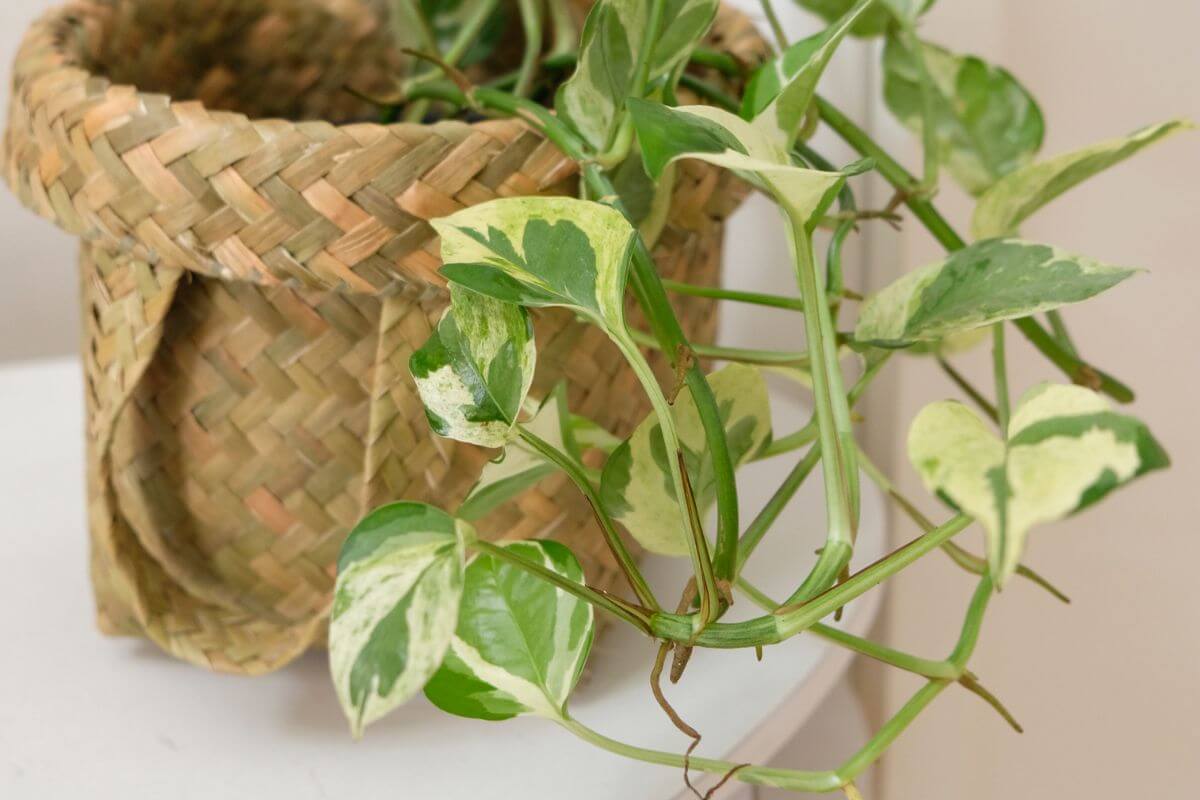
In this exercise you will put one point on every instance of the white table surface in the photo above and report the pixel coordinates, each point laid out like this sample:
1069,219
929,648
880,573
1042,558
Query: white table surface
85,716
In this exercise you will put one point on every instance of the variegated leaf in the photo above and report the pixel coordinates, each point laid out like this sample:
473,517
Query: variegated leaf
520,467
877,19
591,101
987,124
399,582
474,371
542,251
778,95
726,140
989,281
636,488
521,643
1066,450
1019,194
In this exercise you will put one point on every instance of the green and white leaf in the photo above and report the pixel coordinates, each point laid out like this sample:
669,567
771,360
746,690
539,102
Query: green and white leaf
542,251
592,100
1016,196
636,488
878,19
521,643
520,467
987,125
399,583
989,281
1066,450
726,140
474,371
779,94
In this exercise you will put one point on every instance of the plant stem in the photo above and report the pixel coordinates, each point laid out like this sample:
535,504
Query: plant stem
788,779
565,36
721,61
791,619
963,558
776,28
753,298
832,408
773,507
702,566
636,617
707,91
774,358
1055,318
1073,367
531,27
790,442
1078,371
924,667
575,471
1000,373
968,389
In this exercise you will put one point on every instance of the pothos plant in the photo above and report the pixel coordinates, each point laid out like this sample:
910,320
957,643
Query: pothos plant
492,631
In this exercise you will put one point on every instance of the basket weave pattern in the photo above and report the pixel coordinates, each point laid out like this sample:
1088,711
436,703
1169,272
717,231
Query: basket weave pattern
253,289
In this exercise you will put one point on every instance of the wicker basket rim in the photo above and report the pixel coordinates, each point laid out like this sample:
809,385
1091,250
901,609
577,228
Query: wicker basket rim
94,156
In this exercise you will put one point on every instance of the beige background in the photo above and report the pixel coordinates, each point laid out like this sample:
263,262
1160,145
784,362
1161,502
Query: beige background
1107,687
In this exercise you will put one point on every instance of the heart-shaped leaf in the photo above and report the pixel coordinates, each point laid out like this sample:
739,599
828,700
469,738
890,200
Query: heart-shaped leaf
987,125
521,643
542,251
989,281
474,371
1066,450
726,140
592,100
399,583
636,487
778,95
1012,199
520,467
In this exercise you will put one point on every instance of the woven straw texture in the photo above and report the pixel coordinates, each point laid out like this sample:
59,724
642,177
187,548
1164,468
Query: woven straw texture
253,288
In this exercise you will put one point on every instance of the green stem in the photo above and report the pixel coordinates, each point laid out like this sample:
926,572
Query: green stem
653,299
636,617
708,91
774,507
1000,373
791,619
925,667
565,36
781,39
1059,326
719,60
787,779
773,358
968,389
650,36
752,298
963,558
531,27
575,471
790,442
832,408
1073,367
702,566
793,780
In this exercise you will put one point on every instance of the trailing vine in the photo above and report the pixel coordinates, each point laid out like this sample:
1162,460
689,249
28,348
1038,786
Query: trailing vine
423,604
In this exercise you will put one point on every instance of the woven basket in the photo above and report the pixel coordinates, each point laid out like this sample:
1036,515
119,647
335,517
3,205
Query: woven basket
252,291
